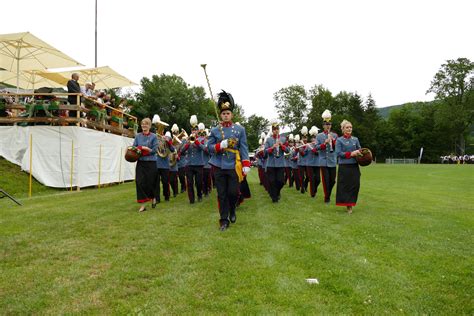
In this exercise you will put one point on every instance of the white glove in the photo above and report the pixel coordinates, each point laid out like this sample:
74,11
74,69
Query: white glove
224,144
246,170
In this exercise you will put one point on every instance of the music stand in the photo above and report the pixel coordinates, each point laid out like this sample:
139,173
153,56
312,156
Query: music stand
5,194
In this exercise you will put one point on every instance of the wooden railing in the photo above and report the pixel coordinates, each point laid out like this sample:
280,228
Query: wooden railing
96,117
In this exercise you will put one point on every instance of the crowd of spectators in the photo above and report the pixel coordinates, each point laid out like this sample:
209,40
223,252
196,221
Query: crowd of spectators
461,159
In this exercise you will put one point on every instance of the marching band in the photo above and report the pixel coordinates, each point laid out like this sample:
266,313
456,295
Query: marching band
219,158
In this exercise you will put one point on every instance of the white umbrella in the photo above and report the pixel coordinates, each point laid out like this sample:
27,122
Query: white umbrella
27,79
24,51
103,77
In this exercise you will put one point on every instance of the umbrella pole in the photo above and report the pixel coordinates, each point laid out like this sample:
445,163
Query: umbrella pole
18,69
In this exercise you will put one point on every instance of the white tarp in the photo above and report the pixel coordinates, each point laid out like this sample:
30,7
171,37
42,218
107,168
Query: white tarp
52,147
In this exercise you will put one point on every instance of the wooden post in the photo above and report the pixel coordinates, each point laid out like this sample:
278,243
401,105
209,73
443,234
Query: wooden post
100,161
31,166
72,161
120,166
78,112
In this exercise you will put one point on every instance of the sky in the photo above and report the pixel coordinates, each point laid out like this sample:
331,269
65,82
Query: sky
390,49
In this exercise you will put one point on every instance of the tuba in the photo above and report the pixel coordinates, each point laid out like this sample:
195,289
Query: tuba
163,148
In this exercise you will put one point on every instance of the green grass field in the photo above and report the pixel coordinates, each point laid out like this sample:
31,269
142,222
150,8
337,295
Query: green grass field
407,249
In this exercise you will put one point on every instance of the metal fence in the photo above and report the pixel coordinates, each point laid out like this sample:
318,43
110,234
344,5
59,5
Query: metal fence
401,161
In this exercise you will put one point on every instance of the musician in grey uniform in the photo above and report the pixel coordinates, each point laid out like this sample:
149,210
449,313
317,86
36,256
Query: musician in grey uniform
348,175
275,148
303,160
193,148
230,159
326,144
312,163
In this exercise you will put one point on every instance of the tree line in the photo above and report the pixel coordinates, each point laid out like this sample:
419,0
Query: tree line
441,127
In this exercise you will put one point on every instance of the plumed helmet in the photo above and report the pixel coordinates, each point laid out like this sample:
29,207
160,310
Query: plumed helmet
225,101
326,116
263,135
193,120
260,141
201,126
313,131
304,130
275,124
297,138
168,134
291,138
175,129
156,119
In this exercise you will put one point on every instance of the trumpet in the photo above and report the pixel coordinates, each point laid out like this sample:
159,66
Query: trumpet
307,144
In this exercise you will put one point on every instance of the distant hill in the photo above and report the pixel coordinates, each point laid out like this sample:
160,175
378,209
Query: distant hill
385,112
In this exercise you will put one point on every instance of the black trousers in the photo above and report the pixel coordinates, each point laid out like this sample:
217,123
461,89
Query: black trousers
276,180
296,176
145,179
227,184
304,179
194,180
206,181
291,177
174,182
328,178
182,178
314,179
163,176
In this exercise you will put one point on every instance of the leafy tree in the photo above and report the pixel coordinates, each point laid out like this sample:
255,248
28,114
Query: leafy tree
453,84
292,105
173,100
321,99
254,126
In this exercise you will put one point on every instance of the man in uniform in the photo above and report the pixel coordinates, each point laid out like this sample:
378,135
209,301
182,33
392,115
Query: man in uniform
326,144
230,158
165,147
194,150
312,163
275,149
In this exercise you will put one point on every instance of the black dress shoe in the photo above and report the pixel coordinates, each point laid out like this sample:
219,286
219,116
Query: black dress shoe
223,227
233,218
153,204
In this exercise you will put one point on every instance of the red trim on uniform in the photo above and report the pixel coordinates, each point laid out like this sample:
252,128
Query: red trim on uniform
246,163
170,143
314,150
226,124
144,200
217,147
324,184
348,154
196,142
347,136
323,146
345,204
146,134
283,147
270,150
